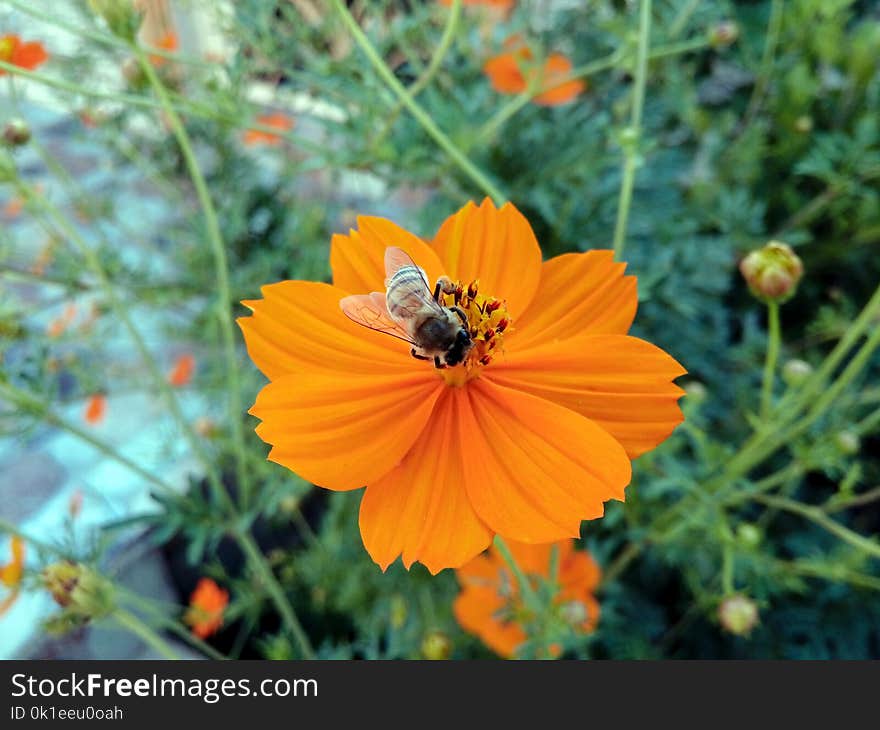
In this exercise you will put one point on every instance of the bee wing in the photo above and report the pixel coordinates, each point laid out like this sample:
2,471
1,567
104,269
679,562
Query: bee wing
395,259
370,311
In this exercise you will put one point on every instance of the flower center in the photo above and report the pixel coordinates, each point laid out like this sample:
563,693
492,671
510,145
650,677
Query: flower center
487,321
7,46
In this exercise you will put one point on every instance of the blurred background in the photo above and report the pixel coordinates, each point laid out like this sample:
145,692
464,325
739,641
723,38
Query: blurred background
121,268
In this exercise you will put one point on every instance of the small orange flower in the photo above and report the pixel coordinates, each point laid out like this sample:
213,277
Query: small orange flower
12,208
183,370
11,573
513,71
24,55
489,604
167,42
96,408
279,121
526,438
206,607
503,5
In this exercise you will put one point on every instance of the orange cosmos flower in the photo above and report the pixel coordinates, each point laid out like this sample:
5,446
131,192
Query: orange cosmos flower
259,136
489,604
96,408
513,71
206,606
526,438
11,573
167,42
502,5
24,55
183,370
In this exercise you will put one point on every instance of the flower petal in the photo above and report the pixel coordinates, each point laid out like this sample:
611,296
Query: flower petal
579,293
622,383
476,609
358,259
420,509
496,246
344,432
536,469
298,327
505,75
556,68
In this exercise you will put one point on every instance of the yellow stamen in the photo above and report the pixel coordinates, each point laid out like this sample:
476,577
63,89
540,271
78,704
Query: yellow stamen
488,323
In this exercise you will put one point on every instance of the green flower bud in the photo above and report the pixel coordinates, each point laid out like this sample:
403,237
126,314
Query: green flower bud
772,272
848,442
16,133
83,593
803,124
795,372
436,645
723,34
738,614
696,392
749,535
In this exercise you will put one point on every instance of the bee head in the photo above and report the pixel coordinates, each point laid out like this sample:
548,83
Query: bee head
459,349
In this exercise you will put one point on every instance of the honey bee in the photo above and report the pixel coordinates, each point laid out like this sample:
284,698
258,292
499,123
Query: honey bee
409,311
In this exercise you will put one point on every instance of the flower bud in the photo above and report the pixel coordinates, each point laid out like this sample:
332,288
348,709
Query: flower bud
795,372
120,15
16,133
696,392
772,272
749,535
436,645
398,611
723,34
79,590
134,74
848,442
738,614
803,124
574,613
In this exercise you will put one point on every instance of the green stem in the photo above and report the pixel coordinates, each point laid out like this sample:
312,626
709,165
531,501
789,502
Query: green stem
631,149
41,409
221,271
8,528
428,74
774,26
773,340
527,591
288,615
71,234
131,622
818,517
420,115
144,102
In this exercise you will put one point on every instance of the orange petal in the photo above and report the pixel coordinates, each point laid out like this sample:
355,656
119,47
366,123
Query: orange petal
496,246
30,55
358,259
298,327
342,432
579,293
622,383
505,75
476,609
556,68
538,469
578,571
421,509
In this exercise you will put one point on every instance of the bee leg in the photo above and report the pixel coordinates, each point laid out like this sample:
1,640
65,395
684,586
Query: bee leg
437,289
417,356
438,363
461,315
